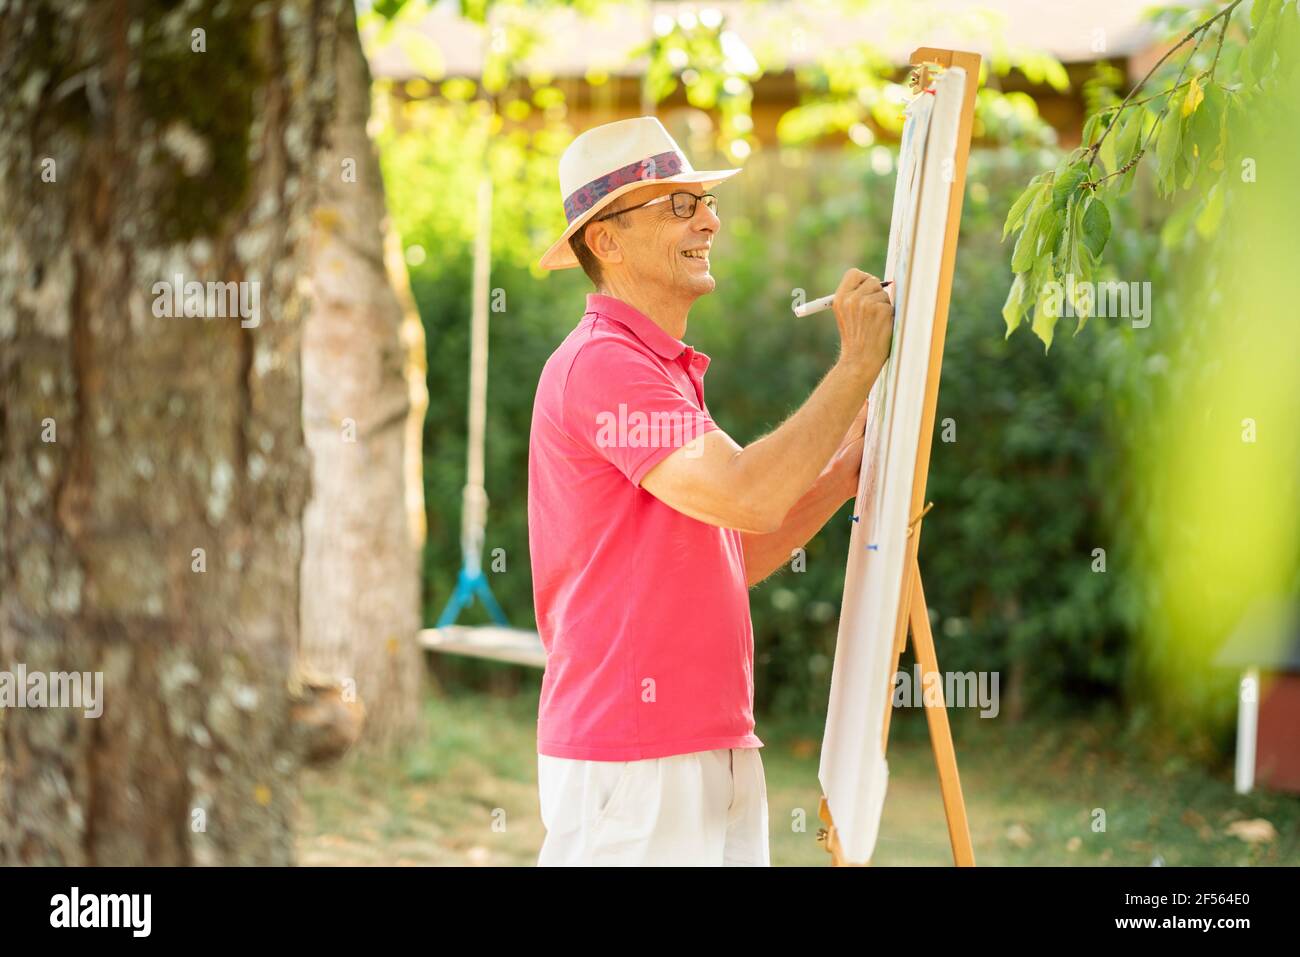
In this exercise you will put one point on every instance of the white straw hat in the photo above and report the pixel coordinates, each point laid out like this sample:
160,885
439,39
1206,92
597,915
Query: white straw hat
607,161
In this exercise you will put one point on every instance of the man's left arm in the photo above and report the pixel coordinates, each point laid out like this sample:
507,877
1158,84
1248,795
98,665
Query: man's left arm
838,482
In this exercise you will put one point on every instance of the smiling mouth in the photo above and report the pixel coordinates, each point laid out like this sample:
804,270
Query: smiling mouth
702,254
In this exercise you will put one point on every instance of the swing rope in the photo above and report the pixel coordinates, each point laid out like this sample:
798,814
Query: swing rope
471,582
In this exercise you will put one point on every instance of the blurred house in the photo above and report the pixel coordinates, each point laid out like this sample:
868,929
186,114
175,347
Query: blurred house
1265,649
573,49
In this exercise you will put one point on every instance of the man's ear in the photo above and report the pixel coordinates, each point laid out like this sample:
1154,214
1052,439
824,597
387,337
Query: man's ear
603,243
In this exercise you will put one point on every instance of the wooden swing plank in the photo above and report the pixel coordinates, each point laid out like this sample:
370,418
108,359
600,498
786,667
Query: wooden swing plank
495,642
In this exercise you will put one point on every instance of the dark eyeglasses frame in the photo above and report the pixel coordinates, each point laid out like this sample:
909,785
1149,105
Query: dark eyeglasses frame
695,201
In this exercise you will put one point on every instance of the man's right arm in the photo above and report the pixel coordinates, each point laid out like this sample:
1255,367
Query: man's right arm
752,488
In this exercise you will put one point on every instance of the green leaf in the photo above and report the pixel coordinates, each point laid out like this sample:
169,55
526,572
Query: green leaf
1027,245
1013,310
1067,182
1067,237
1122,145
1288,40
1174,232
1096,226
1075,254
457,89
1207,122
1126,181
1056,75
1052,228
1263,38
1168,141
1207,223
1130,142
1193,97
1107,154
388,9
1044,321
1087,264
1260,10
1130,135
1044,316
1018,209
1026,248
1090,129
1042,272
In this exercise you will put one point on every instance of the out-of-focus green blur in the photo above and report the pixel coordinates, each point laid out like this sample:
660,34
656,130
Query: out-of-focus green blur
1220,454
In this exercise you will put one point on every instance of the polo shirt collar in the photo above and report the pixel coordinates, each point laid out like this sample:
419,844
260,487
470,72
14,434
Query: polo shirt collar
641,325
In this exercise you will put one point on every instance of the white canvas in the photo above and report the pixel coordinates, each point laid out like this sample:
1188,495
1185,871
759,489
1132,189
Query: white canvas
853,770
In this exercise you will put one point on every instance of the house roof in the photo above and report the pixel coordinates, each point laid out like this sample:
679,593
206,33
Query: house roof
1268,636
782,35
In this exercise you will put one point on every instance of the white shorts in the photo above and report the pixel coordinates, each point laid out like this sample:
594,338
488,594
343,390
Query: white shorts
704,809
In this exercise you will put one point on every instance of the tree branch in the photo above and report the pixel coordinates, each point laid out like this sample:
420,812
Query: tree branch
1223,14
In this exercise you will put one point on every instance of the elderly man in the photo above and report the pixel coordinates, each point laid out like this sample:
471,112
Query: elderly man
647,523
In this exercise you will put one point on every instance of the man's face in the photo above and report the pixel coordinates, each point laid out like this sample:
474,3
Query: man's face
659,252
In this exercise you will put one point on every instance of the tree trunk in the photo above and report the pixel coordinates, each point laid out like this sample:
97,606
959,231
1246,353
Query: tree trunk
360,566
154,472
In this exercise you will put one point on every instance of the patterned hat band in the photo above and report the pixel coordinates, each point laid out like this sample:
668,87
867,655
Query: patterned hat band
659,166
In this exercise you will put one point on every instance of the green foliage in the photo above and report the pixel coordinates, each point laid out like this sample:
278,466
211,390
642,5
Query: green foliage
857,90
1008,548
699,52
854,90
1009,119
1063,228
1201,548
1099,90
1230,66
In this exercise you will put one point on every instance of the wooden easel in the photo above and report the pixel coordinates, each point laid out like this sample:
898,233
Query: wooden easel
912,597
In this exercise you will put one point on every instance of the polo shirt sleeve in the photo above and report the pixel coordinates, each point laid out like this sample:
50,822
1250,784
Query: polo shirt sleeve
622,405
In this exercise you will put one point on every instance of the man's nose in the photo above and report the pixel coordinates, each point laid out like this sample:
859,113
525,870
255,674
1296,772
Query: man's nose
706,218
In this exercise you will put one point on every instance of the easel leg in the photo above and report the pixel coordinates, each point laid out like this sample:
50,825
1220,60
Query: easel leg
936,715
899,645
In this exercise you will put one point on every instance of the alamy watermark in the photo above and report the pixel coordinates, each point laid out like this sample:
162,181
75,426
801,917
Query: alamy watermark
654,430
953,689
56,689
1105,300
130,911
212,300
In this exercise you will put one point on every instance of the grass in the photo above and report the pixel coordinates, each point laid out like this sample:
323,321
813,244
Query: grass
467,795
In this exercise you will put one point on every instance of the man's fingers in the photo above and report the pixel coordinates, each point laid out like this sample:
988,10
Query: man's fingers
868,286
859,426
852,277
854,451
856,280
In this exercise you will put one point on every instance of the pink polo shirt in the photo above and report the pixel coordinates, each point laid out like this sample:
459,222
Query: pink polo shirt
643,611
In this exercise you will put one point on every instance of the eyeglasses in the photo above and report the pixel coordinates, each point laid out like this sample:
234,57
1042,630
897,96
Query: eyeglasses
683,204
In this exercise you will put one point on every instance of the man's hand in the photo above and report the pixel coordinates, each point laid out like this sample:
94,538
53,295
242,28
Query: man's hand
865,315
764,554
845,465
